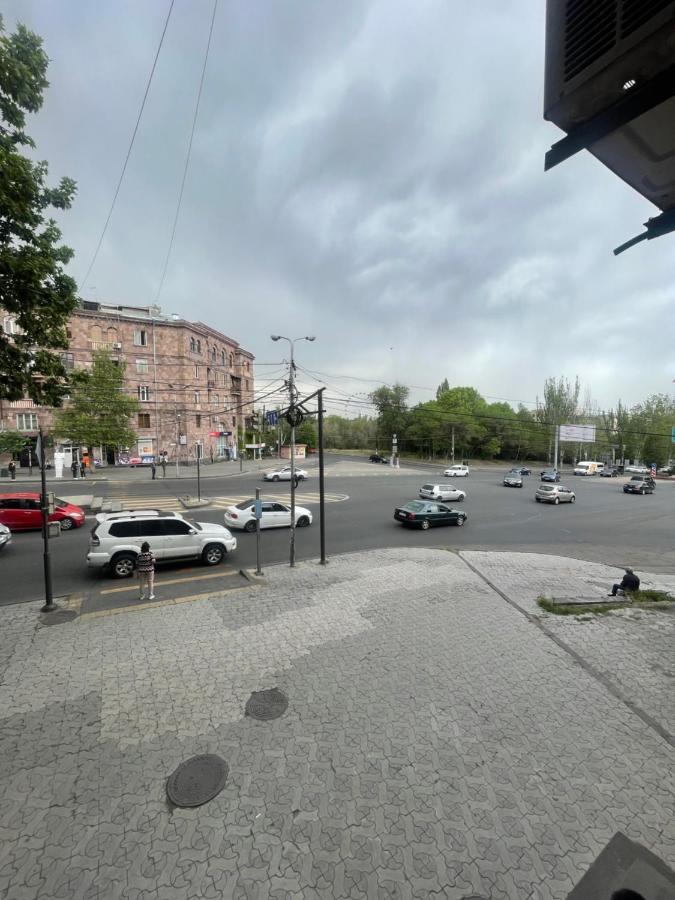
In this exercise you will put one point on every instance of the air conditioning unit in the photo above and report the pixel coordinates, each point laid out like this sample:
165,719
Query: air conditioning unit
610,84
117,346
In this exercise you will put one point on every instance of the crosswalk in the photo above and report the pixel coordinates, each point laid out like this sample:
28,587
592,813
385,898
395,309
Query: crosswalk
173,504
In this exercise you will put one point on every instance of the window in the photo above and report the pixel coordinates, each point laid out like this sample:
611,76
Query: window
248,366
68,361
144,420
26,422
152,528
247,384
142,366
222,357
199,346
111,335
126,529
216,399
196,373
140,338
234,422
193,344
196,396
95,333
198,420
143,393
176,527
9,325
69,333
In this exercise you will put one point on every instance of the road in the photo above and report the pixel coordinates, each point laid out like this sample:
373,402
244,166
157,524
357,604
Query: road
604,525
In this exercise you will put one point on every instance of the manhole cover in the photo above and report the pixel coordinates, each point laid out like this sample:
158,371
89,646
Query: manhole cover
197,780
266,705
58,617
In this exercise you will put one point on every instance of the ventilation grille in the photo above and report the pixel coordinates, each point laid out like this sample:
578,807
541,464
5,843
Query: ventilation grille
594,28
636,12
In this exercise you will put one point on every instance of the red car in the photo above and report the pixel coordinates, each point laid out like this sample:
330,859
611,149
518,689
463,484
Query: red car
21,512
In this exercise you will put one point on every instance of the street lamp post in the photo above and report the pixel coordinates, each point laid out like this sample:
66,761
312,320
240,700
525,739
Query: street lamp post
291,393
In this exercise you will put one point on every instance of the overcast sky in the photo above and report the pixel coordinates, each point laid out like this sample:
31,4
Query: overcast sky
368,172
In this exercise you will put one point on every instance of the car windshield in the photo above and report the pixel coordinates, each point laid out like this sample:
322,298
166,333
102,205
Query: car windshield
60,503
415,506
245,504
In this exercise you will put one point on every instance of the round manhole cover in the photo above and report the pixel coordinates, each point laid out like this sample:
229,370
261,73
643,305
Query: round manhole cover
197,780
266,705
58,617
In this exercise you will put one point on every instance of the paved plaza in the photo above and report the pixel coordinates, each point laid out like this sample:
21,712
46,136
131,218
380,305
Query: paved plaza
444,737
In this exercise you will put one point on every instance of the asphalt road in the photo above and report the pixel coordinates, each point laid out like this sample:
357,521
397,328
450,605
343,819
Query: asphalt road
604,525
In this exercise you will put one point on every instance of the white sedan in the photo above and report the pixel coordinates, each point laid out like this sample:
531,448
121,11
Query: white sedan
274,515
285,474
456,472
637,470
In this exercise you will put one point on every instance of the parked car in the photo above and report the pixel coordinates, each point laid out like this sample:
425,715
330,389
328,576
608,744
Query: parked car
418,514
609,472
513,479
116,543
554,493
284,474
376,458
457,471
666,470
550,475
640,484
637,470
274,515
21,512
5,536
441,492
522,470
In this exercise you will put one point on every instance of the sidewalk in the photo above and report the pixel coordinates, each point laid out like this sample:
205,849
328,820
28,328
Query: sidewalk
442,738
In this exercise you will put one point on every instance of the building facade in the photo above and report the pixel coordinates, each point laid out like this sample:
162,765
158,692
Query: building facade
194,384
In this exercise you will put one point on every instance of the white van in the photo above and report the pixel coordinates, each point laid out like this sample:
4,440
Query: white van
589,467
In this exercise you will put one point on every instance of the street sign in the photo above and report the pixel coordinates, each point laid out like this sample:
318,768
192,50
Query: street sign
581,434
272,417
257,509
672,434
653,470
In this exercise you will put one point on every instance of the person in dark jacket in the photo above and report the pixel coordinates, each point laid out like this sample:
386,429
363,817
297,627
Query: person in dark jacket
11,468
73,468
629,582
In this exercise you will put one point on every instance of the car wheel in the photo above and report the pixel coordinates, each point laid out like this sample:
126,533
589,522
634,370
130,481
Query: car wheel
302,522
123,565
275,478
461,520
213,554
643,491
425,524
557,501
573,499
66,524
537,499
250,526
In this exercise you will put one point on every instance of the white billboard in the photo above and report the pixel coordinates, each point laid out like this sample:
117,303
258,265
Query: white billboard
579,434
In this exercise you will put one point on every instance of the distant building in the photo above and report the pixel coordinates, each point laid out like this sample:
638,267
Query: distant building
189,379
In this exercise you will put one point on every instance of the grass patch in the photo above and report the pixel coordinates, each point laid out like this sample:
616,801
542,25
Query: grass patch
599,609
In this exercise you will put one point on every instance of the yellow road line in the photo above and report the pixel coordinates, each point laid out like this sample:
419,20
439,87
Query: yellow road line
122,590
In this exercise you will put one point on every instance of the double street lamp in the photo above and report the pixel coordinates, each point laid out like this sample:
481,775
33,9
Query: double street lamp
292,396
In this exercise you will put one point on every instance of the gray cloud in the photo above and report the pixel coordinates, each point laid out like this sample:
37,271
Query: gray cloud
368,171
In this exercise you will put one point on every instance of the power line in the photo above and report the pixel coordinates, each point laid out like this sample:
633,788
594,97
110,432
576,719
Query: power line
189,153
131,144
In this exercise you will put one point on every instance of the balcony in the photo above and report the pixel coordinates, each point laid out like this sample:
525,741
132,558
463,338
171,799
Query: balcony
105,345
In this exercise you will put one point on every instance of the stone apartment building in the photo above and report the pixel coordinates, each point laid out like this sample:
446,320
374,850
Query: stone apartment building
190,380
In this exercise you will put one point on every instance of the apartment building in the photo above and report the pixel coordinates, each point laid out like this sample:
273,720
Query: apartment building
190,380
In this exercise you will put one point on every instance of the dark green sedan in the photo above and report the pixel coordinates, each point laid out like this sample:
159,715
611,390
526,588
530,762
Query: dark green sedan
420,514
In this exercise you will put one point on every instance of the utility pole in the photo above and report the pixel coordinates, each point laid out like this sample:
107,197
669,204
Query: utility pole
44,505
555,447
453,445
322,498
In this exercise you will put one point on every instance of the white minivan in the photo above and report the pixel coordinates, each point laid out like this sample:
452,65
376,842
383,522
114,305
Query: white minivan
442,492
588,467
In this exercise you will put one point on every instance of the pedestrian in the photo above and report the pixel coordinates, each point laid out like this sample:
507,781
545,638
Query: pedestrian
145,566
296,480
153,469
630,582
163,465
83,470
73,468
12,469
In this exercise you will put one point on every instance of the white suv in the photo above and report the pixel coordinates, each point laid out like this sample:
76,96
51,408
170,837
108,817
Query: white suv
115,543
456,471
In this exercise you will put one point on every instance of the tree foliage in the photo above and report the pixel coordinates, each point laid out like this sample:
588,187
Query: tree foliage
12,441
34,289
99,410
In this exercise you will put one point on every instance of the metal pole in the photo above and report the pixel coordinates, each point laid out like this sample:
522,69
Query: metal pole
555,450
322,494
453,444
258,570
292,399
44,505
199,484
177,439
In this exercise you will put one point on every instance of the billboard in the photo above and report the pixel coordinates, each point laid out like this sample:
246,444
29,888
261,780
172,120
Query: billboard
580,434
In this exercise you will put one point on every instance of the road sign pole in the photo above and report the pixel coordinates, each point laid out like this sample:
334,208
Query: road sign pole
49,606
258,516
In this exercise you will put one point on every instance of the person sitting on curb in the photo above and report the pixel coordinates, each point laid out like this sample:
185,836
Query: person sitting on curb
630,582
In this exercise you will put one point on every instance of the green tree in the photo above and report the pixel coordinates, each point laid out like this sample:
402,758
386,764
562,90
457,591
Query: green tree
306,433
34,288
392,411
12,441
99,410
561,401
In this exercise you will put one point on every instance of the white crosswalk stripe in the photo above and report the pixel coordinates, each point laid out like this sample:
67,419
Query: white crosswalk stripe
173,504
